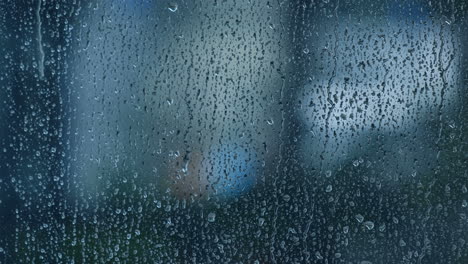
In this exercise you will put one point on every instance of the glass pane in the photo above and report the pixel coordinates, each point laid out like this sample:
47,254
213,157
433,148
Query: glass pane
222,131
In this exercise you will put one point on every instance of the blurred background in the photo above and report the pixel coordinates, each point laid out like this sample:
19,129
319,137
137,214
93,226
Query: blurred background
222,131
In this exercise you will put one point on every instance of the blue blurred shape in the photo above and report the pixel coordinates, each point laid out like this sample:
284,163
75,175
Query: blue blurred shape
232,170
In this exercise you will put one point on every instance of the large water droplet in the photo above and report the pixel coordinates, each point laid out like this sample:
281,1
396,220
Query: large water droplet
211,217
346,229
172,7
369,225
359,218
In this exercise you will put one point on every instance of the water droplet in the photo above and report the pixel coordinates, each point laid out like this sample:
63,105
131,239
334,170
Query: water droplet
369,225
261,221
173,7
211,217
270,121
402,243
346,229
359,218
382,228
306,51
356,163
318,255
329,188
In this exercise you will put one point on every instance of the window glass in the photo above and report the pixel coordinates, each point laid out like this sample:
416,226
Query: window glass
222,131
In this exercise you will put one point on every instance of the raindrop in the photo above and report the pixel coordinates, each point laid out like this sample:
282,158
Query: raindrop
346,229
402,243
261,221
318,255
359,218
382,228
356,163
173,7
211,217
369,225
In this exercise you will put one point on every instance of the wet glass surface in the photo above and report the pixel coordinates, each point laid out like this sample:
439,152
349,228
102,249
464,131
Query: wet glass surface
225,131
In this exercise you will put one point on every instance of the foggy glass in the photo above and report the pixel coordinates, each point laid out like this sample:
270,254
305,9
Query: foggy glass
222,131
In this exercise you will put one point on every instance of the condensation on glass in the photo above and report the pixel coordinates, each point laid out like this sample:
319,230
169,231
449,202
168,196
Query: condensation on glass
222,131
